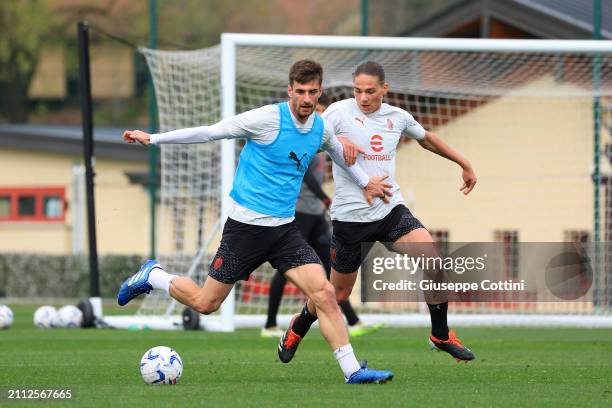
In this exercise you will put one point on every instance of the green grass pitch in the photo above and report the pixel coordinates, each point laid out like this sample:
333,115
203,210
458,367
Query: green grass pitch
515,367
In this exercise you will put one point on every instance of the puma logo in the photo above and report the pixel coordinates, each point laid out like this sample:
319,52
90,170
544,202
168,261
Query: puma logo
360,120
298,162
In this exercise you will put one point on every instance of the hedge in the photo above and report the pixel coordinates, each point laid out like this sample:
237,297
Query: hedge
35,275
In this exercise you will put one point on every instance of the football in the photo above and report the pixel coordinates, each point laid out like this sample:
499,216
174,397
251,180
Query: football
6,317
69,316
45,317
161,365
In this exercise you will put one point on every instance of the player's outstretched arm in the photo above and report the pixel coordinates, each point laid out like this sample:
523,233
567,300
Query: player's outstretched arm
248,124
436,145
133,136
200,134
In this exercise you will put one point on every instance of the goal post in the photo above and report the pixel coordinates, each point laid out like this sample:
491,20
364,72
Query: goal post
521,109
228,158
592,49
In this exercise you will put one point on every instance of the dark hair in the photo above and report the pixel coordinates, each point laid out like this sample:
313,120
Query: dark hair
304,71
324,100
371,68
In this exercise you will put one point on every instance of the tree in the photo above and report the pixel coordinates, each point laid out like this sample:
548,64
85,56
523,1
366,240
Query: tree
25,25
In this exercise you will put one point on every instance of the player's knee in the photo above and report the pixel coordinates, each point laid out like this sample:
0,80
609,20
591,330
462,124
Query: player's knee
207,306
343,293
437,275
324,296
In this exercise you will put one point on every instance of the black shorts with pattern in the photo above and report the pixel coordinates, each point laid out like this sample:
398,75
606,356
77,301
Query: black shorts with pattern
245,247
348,236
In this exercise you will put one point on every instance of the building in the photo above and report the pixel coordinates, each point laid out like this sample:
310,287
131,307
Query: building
559,134
545,19
42,198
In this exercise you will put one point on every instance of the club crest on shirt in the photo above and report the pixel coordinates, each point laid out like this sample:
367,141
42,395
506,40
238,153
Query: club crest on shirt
360,120
218,262
389,124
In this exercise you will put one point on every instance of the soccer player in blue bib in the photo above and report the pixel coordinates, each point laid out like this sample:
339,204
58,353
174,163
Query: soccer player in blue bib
281,140
311,220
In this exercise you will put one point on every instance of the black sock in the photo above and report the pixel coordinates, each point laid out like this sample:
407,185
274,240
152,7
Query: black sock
439,327
302,323
349,312
274,299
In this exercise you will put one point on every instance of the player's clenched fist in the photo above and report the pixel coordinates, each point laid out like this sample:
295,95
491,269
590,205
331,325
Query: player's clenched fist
133,136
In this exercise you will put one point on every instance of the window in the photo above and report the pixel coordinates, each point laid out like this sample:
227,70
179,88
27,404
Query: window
576,236
440,237
26,206
5,206
52,206
34,204
585,276
510,240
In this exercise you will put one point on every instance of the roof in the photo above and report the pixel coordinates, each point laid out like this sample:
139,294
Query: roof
577,12
550,19
68,140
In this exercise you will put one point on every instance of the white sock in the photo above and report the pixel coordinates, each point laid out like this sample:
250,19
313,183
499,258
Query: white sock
160,279
346,359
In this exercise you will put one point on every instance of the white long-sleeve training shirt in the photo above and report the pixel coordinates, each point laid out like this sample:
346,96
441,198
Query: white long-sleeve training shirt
261,125
378,133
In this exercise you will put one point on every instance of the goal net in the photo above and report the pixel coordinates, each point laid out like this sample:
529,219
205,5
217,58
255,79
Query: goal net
525,112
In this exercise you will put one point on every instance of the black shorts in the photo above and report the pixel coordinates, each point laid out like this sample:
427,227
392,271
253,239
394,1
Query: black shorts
245,247
348,236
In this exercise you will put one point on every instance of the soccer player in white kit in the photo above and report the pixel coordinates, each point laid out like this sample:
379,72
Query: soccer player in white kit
281,140
377,128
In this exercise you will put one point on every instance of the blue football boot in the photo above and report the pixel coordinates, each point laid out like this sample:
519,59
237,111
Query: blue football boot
368,376
138,283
